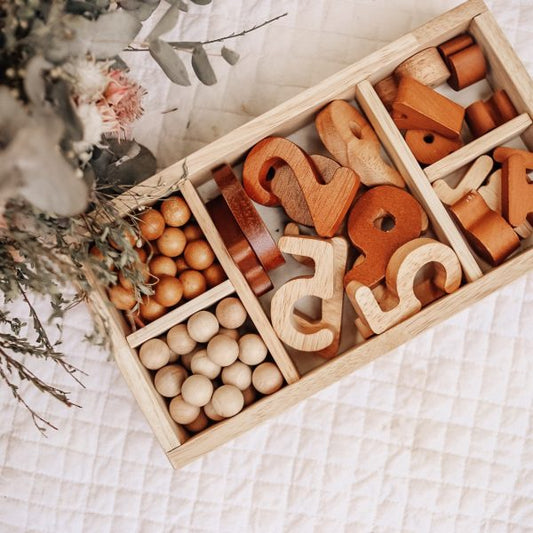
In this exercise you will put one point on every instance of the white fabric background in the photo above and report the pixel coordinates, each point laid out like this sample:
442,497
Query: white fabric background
435,436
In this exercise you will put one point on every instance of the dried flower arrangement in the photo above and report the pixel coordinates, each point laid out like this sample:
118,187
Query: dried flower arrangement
67,105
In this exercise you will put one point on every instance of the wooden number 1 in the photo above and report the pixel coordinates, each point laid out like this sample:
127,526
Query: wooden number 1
296,330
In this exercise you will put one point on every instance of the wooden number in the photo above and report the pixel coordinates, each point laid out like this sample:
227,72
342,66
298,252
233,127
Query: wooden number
353,143
375,244
327,203
400,278
299,332
473,178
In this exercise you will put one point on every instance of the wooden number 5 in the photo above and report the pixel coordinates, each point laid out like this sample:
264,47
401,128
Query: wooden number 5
297,331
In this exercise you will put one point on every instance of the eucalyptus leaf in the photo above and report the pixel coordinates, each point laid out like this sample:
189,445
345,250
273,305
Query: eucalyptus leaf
201,2
141,9
34,83
202,66
183,6
82,7
166,23
230,55
169,61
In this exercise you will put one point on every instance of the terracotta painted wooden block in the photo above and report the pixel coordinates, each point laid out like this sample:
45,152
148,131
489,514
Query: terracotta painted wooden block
400,278
418,107
484,116
474,177
351,140
329,256
327,202
377,245
248,219
488,233
517,191
428,147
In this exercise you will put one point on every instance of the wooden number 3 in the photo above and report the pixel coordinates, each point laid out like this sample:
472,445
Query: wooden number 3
328,203
296,330
400,278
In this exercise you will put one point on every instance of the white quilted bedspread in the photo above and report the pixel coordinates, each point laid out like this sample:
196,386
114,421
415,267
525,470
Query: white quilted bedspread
435,436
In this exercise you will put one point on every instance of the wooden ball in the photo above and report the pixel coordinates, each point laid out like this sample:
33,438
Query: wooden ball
181,265
193,232
233,333
186,360
161,265
222,350
202,326
173,356
197,390
150,309
249,395
266,378
168,291
175,211
168,380
252,349
121,298
237,374
126,283
193,283
201,364
199,255
171,242
179,340
141,252
154,354
231,313
227,401
199,424
210,412
128,235
214,275
183,412
151,224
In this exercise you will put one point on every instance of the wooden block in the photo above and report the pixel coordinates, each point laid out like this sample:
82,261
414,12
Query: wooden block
488,233
353,143
248,219
327,203
467,66
428,147
517,191
387,89
502,153
418,107
238,247
377,245
427,67
474,177
400,278
452,46
484,116
329,257
284,184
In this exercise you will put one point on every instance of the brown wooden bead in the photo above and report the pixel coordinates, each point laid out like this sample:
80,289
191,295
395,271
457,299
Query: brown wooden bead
387,89
428,147
199,255
172,242
193,283
168,291
175,211
121,297
151,224
161,265
150,309
193,232
214,275
181,265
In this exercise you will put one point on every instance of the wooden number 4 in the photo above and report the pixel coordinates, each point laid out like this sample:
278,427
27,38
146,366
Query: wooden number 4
293,328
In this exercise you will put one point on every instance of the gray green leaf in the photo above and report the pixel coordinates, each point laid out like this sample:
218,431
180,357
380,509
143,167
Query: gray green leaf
169,61
202,66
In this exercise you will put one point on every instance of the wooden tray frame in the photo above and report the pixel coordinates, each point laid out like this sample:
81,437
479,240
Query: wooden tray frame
506,72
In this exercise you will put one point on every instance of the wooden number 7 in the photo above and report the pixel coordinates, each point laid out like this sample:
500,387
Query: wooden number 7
297,330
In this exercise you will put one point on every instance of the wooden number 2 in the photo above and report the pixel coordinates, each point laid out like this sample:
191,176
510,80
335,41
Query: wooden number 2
400,278
297,331
328,203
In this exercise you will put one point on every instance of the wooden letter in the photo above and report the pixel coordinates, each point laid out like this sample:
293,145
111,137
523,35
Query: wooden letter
353,143
517,191
400,278
300,333
377,245
327,203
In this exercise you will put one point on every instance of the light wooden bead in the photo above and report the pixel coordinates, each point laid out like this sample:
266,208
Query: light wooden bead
201,364
173,356
231,313
267,378
175,211
193,283
199,255
197,390
183,412
210,412
168,380
154,354
252,349
202,326
223,350
237,374
233,333
179,340
199,424
249,395
227,401
186,360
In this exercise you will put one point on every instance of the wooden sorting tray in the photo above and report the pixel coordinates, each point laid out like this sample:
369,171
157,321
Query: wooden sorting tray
505,72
